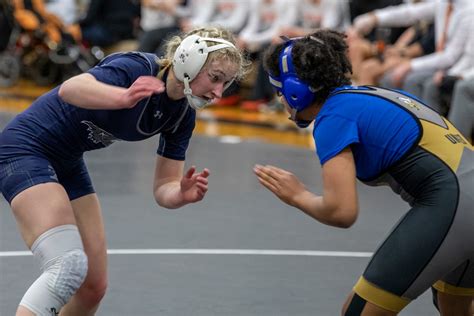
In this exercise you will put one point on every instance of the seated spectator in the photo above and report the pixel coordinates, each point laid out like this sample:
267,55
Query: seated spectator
363,43
159,21
267,18
416,41
67,13
437,90
110,21
66,9
230,14
35,15
313,14
461,113
197,14
451,21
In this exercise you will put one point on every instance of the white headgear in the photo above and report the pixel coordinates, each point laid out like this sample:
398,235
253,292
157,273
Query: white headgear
188,60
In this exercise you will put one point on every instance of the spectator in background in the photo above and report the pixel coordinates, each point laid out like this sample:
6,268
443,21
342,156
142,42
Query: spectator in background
416,41
362,45
461,112
360,7
198,14
110,21
313,14
230,14
159,21
461,104
36,15
451,21
66,9
67,13
267,18
438,89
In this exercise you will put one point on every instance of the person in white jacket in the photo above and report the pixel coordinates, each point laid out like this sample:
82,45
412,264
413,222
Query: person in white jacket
267,18
313,14
159,21
438,88
411,75
198,14
230,14
461,111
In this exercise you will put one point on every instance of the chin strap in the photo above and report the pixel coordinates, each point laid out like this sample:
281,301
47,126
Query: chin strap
195,102
299,123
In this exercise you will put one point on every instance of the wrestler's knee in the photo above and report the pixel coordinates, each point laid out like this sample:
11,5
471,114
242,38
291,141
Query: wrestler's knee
92,291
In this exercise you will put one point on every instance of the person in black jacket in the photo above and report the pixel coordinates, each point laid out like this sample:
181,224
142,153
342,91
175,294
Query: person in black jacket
109,21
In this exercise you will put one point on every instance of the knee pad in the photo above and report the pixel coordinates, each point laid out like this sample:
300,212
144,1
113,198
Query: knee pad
64,267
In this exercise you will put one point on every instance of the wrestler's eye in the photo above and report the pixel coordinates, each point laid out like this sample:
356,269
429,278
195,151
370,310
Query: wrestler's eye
214,78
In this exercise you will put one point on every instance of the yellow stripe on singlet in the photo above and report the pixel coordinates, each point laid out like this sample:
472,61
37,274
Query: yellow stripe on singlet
447,144
453,290
379,297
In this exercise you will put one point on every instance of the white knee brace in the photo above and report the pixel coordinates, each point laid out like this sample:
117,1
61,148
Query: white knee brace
64,266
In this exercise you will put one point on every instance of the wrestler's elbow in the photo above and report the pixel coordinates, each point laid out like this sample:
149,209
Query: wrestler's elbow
345,217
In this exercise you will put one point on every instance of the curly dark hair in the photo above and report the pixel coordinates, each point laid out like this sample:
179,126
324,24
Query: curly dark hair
320,59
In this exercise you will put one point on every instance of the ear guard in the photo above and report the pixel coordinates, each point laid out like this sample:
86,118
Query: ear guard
298,94
188,60
191,55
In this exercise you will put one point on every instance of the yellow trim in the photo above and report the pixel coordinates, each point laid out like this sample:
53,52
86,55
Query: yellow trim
436,140
453,290
379,297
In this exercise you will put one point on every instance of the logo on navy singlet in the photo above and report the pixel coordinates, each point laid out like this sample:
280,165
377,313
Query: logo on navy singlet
53,173
98,135
158,114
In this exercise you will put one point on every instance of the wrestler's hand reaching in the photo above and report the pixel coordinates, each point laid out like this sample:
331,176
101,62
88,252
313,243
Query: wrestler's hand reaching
194,185
142,88
285,185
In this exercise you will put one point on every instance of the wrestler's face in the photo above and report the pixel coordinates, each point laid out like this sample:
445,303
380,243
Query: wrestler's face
212,80
306,114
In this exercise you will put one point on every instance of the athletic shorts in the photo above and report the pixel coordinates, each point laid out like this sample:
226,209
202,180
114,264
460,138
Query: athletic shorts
24,171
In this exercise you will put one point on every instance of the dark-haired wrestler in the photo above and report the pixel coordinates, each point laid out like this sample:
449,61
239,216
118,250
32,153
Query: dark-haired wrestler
380,137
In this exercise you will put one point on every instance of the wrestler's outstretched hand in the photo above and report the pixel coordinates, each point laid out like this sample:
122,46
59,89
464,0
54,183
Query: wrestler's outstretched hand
194,185
285,185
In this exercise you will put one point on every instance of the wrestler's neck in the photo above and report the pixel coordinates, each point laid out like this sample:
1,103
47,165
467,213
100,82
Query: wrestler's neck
310,112
174,87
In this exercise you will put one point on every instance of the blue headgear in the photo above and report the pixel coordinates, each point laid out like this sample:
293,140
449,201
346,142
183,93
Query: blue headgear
297,93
